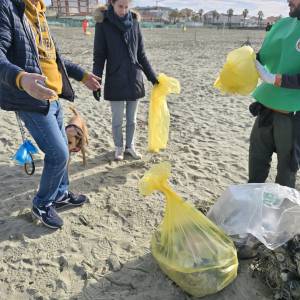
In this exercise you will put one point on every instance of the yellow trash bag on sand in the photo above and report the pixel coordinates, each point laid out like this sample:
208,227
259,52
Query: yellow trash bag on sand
239,74
159,116
188,247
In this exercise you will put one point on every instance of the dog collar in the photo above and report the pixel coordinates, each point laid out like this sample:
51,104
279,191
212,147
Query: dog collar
74,126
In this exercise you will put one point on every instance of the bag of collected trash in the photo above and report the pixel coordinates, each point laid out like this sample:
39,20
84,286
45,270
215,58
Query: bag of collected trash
188,247
159,116
268,211
239,74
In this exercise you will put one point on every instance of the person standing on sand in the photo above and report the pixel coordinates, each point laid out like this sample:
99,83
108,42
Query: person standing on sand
268,26
85,25
32,78
119,42
277,126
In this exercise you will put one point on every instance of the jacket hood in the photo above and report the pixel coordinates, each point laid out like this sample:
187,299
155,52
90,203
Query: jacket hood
100,10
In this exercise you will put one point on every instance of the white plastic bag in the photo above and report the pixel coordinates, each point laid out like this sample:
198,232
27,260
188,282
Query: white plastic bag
268,211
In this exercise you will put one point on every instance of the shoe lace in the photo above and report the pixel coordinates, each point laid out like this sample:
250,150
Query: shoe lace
49,210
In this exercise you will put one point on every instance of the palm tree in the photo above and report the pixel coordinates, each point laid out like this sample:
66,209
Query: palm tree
187,13
200,13
260,17
215,15
230,14
195,18
245,14
173,16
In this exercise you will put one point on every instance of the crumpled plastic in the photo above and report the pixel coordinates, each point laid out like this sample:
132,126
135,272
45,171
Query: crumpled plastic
268,211
238,75
188,247
159,116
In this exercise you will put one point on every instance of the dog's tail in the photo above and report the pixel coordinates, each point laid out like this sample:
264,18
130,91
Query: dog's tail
74,110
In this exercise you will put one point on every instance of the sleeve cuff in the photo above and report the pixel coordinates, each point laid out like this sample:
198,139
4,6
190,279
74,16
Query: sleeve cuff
85,77
18,80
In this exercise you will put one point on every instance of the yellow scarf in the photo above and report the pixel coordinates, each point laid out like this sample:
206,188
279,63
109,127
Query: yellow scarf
44,43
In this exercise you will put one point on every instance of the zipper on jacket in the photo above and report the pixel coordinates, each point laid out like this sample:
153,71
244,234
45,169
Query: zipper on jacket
30,36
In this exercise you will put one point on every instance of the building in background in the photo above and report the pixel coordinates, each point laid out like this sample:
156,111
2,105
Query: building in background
213,17
73,7
154,14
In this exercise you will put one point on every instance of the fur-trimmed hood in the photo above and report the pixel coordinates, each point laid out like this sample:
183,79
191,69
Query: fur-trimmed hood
99,14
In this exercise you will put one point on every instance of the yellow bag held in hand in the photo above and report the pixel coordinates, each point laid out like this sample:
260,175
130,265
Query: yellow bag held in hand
188,247
239,74
159,116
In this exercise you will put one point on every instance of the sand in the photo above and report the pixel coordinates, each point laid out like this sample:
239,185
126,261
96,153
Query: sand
102,252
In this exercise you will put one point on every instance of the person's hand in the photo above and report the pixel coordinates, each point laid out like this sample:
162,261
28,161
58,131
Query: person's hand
92,82
264,74
34,85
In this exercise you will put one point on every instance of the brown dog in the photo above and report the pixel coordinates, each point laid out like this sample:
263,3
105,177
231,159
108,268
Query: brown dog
77,134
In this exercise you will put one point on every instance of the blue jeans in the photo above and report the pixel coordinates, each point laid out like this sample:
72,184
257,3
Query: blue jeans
49,134
117,110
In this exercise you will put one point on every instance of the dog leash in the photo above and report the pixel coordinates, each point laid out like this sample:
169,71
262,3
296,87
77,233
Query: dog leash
29,167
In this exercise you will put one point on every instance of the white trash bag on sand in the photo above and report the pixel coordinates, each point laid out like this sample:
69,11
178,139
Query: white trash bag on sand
268,211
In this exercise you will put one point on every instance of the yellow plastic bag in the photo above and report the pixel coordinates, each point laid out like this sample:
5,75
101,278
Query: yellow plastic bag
188,247
239,74
159,116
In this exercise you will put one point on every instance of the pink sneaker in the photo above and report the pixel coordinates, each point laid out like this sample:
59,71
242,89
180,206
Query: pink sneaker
119,154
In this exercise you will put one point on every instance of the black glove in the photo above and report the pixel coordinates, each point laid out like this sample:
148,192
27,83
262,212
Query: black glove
97,94
155,81
255,108
258,57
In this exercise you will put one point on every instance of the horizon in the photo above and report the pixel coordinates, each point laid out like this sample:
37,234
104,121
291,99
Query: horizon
268,7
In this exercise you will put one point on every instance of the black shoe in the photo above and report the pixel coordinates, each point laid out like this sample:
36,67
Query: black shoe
70,199
48,216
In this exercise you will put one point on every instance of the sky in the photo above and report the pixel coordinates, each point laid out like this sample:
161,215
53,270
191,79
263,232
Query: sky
269,7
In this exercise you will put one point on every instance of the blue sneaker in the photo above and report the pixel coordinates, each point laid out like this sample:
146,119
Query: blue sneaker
48,216
70,199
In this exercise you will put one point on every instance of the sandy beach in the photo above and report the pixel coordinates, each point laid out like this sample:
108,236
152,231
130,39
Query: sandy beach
103,252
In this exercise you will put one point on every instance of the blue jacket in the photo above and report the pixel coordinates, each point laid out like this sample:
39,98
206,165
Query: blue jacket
18,52
125,58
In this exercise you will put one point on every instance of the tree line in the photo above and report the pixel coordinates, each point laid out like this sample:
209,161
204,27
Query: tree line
199,16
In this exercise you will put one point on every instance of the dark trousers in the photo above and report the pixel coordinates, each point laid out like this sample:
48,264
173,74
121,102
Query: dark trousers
275,136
